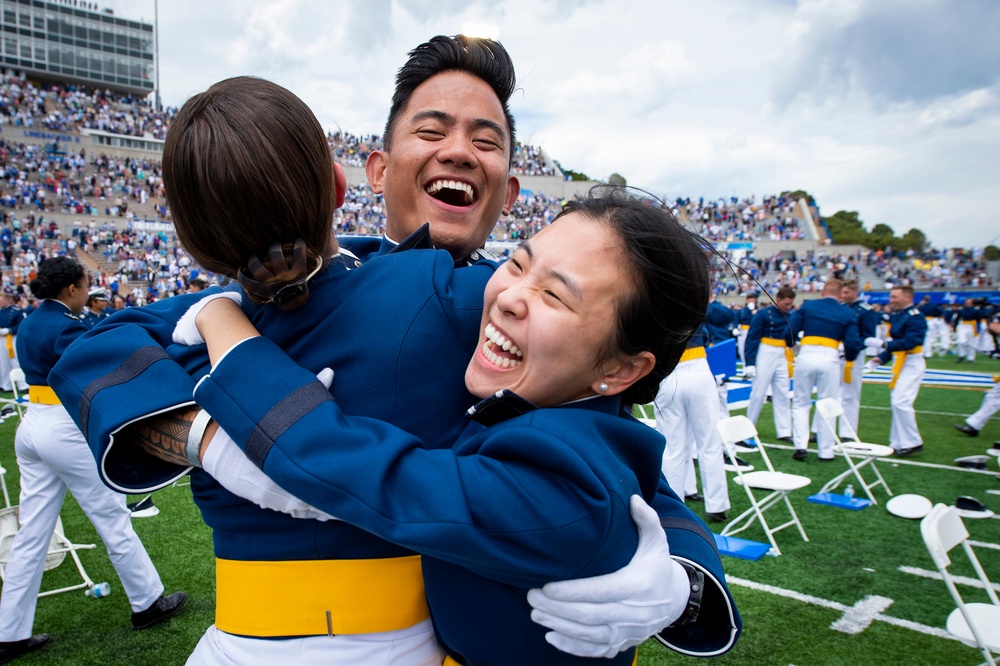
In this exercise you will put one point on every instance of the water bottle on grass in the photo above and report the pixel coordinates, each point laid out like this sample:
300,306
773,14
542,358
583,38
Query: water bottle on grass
849,491
99,591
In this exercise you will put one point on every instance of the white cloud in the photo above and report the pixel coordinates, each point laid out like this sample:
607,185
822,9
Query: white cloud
879,106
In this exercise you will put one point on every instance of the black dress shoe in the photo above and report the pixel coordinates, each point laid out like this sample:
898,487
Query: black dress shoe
747,443
966,429
812,438
910,451
739,462
799,454
716,517
10,650
787,440
694,497
161,609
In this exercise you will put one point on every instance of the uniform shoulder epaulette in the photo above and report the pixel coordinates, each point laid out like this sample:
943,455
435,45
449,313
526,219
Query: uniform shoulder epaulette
865,306
914,311
71,316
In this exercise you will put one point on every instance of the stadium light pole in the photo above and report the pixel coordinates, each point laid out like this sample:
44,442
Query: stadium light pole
156,50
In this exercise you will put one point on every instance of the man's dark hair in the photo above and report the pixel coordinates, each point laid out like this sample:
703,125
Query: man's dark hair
485,59
785,292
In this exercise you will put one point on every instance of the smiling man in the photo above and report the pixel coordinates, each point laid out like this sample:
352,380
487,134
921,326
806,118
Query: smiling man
449,141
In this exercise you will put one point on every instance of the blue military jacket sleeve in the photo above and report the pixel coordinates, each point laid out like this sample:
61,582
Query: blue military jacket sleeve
508,502
119,372
753,338
719,623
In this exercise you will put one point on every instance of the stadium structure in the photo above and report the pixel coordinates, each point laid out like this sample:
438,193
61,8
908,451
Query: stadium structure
71,41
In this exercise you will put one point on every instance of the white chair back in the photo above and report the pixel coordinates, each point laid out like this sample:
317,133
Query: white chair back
975,624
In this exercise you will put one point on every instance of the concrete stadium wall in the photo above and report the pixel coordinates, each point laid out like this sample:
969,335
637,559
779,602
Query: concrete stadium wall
72,142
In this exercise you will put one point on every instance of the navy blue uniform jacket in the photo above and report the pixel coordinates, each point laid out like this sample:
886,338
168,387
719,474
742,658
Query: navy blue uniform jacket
401,362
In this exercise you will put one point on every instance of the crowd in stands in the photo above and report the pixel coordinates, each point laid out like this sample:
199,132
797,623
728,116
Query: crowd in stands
70,108
735,219
36,181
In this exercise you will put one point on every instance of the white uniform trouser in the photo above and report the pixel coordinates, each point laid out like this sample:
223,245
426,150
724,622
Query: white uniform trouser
931,337
966,346
903,433
772,372
741,344
850,398
990,406
53,457
414,646
942,334
816,366
687,415
985,340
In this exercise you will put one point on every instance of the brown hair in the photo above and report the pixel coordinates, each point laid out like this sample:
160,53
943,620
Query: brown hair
905,288
246,166
850,284
833,287
785,292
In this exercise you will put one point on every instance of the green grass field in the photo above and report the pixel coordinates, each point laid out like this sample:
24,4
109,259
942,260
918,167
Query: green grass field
788,603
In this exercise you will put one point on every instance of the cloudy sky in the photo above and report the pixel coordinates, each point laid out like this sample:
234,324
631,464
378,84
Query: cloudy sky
886,107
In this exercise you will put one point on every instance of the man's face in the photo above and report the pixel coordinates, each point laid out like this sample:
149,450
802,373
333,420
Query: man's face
98,304
119,302
848,295
448,165
899,300
784,304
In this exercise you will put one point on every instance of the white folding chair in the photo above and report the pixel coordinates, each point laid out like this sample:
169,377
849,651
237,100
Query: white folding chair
857,453
778,484
59,546
976,624
19,401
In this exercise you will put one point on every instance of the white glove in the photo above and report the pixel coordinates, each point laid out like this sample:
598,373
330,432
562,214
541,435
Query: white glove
237,474
736,332
872,365
750,371
4,331
186,331
874,342
603,615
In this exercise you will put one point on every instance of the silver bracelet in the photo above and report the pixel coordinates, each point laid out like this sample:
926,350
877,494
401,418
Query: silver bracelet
195,434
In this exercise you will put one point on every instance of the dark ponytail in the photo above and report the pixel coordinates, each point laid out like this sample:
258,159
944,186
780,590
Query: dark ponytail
54,275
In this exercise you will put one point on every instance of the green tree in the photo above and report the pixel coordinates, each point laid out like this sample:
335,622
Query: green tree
846,228
617,180
914,239
991,252
882,236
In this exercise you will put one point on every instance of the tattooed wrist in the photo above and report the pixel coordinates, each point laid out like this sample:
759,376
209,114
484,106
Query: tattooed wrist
163,436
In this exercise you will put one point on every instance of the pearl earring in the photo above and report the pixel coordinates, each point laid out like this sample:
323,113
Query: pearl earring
602,387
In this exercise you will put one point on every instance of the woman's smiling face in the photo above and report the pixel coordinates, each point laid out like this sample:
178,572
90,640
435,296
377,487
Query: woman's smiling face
548,314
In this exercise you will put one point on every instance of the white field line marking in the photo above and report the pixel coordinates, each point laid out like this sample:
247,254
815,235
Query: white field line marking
893,460
860,616
834,605
925,411
961,580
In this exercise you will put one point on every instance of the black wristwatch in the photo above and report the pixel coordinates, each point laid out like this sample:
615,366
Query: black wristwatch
697,580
